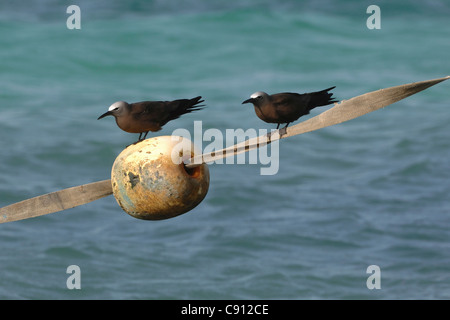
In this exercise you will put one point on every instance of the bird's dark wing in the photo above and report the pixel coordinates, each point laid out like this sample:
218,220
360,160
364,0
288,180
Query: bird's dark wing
151,111
290,106
290,98
162,112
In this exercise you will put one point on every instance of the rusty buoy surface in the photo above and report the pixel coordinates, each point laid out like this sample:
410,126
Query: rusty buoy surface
150,181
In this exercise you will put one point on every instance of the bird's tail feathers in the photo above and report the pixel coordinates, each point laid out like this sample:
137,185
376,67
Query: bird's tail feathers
322,98
193,104
187,105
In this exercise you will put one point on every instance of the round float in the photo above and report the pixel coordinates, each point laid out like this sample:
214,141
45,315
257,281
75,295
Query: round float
150,181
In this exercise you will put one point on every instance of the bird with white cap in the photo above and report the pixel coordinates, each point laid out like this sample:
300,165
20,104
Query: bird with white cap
287,107
145,116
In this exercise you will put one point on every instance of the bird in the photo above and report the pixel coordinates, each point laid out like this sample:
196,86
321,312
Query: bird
287,107
145,116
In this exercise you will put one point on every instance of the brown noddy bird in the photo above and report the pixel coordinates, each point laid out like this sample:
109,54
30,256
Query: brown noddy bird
287,107
145,116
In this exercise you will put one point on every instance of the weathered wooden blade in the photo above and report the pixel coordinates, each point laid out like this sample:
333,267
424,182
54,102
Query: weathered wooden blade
343,111
361,105
56,201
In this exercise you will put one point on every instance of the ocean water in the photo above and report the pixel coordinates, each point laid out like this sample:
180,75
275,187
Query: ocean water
371,191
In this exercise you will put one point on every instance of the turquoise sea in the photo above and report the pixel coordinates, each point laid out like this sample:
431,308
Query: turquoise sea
371,191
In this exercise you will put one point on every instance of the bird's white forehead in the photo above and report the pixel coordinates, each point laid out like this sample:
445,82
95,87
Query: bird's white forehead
257,94
115,105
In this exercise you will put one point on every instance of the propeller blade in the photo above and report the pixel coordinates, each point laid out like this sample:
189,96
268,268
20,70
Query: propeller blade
56,201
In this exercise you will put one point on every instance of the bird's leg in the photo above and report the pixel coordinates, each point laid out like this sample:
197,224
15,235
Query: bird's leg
283,130
139,139
269,135
145,136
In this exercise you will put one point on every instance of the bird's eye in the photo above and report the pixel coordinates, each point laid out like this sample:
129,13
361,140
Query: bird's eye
259,97
115,109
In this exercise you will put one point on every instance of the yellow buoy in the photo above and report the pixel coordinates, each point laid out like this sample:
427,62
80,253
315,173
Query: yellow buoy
150,181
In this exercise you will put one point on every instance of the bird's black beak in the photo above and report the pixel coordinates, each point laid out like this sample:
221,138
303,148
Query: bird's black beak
108,113
248,101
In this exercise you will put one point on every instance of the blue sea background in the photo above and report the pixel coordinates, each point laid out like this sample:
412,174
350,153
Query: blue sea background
371,191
